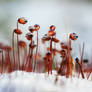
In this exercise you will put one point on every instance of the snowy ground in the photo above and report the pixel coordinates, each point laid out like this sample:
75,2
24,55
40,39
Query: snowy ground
35,82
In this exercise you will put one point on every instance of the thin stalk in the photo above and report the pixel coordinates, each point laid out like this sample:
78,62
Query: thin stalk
88,75
2,62
81,58
90,71
81,70
48,66
9,61
69,64
18,48
27,60
6,59
25,55
54,48
13,50
28,57
82,54
51,55
61,66
31,57
36,52
39,67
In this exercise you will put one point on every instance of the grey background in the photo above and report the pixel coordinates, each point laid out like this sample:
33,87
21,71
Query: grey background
67,15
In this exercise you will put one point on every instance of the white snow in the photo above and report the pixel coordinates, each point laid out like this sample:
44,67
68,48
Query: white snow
40,82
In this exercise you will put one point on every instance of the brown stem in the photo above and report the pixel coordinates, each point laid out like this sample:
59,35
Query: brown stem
2,62
9,62
28,57
54,48
69,62
82,74
18,48
48,66
81,58
61,66
26,61
31,58
88,75
13,50
82,54
70,58
36,52
51,55
25,55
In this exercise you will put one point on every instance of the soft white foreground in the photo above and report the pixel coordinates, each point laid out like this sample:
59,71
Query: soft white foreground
35,82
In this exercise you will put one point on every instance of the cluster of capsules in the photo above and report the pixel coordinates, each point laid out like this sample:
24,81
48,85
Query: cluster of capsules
29,61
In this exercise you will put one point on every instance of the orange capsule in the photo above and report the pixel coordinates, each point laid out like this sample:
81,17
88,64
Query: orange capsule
31,29
18,31
51,33
29,36
37,27
22,20
52,27
73,36
55,40
22,44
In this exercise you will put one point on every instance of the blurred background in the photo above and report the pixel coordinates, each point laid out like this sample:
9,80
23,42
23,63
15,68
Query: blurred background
67,15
